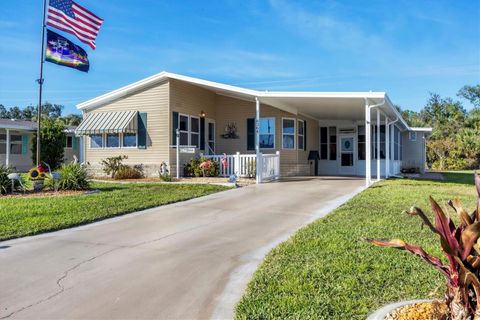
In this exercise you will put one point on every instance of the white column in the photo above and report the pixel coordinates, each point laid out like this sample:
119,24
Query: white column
387,148
257,140
378,144
236,170
368,152
177,154
7,155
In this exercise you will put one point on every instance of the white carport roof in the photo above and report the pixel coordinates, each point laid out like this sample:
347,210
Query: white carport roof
318,105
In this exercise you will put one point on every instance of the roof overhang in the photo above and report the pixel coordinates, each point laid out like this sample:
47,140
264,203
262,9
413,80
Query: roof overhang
317,105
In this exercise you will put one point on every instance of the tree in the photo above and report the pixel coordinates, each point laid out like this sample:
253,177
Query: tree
3,112
52,110
471,93
29,113
52,142
15,113
72,119
444,115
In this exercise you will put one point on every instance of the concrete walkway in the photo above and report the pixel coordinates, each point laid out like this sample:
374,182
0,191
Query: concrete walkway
190,260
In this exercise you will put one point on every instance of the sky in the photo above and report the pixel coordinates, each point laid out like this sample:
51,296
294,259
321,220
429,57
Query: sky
406,48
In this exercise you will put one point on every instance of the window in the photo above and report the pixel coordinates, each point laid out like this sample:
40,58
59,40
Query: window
333,143
301,135
323,143
113,140
96,141
267,133
361,143
69,142
412,135
183,126
15,144
288,133
195,131
374,142
129,140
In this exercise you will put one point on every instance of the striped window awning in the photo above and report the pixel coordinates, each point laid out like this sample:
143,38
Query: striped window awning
108,122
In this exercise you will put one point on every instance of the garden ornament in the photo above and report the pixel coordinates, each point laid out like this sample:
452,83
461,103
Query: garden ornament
16,177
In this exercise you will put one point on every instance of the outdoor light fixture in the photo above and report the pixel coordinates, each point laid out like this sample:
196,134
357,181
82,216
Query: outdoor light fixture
202,113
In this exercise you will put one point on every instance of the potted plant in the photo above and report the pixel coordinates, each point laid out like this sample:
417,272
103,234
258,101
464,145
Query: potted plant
461,246
37,176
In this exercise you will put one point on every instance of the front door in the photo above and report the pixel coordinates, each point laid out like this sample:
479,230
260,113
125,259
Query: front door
210,136
347,155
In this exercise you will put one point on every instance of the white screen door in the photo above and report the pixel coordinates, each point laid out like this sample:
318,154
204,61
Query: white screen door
347,155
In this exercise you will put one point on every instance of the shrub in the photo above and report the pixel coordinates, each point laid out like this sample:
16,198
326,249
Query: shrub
460,245
112,165
5,183
129,172
193,169
165,177
72,177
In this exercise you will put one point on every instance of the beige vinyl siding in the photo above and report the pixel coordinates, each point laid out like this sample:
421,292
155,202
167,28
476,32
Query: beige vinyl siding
238,111
155,102
191,100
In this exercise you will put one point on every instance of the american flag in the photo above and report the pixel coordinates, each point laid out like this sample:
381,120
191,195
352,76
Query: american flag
70,17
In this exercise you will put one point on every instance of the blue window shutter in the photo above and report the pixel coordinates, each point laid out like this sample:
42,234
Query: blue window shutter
251,134
305,135
174,128
74,143
142,130
202,133
24,144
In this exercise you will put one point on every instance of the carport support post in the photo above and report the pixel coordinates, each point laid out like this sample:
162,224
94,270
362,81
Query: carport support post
378,144
7,155
257,142
368,152
387,148
177,132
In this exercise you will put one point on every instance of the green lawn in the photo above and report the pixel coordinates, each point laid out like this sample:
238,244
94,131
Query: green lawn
325,271
27,216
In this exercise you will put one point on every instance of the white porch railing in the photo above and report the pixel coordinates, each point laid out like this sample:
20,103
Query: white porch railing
245,165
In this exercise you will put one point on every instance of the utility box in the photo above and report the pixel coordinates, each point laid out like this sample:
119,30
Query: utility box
313,157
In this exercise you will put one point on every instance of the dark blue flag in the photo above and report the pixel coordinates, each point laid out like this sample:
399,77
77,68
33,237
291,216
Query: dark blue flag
62,51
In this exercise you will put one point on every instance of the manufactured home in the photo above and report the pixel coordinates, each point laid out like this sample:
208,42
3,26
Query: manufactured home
16,143
276,133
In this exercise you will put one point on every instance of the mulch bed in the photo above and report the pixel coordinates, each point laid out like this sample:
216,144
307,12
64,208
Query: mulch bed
43,194
207,180
435,310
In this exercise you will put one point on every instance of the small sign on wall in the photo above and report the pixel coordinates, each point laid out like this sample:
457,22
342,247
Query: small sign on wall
187,150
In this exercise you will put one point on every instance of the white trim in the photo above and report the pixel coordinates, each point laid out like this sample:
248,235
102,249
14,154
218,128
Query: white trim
421,129
121,141
192,133
290,134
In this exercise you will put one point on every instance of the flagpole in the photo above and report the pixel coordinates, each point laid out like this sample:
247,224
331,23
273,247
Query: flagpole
40,83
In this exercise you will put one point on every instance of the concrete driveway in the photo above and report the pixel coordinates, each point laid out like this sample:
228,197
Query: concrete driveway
190,260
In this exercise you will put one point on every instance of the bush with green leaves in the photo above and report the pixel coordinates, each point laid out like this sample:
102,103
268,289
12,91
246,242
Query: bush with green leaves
193,169
111,165
52,142
73,176
129,172
6,184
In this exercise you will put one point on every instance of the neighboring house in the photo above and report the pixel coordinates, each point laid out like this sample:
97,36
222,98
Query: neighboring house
140,121
16,143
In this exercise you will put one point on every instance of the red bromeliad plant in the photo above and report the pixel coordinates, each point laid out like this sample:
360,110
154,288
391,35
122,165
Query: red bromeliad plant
461,245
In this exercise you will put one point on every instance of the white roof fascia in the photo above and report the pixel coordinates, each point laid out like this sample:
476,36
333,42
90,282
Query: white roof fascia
397,114
300,94
16,127
421,129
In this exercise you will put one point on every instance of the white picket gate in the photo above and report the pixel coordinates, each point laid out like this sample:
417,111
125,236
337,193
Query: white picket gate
245,165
